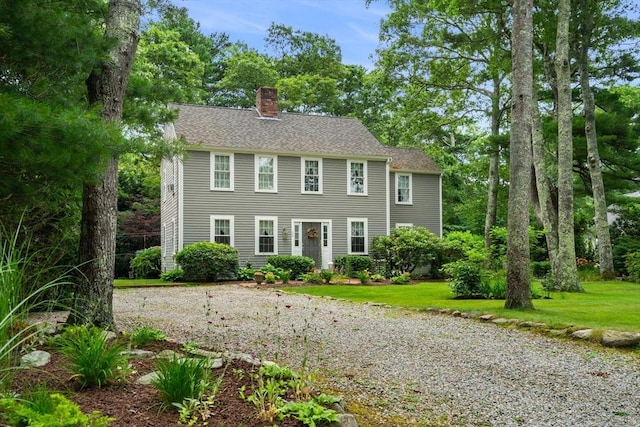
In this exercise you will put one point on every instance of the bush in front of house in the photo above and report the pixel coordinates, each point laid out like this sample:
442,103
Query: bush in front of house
632,262
208,262
298,265
352,264
146,263
405,250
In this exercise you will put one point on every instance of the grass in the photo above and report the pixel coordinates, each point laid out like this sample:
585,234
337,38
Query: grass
135,283
605,305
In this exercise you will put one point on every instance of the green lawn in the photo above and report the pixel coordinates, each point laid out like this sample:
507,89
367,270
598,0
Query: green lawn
133,283
606,305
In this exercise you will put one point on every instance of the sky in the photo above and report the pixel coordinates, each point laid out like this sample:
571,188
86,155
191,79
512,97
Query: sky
350,23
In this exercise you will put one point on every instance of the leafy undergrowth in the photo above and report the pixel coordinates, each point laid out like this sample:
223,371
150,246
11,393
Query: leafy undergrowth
240,400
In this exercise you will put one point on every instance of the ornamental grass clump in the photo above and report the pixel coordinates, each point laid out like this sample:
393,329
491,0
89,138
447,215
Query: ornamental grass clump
94,359
181,379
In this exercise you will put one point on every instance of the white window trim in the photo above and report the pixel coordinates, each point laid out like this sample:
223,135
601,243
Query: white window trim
302,175
366,235
257,170
366,178
213,170
212,223
257,234
410,201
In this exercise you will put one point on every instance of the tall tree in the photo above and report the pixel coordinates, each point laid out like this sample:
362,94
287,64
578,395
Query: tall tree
567,273
518,282
106,86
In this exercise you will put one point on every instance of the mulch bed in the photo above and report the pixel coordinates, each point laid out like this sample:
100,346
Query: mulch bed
136,405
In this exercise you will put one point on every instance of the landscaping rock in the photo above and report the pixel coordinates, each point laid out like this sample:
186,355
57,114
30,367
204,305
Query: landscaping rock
204,353
583,334
620,339
486,317
168,354
346,420
528,324
147,379
35,359
138,353
500,321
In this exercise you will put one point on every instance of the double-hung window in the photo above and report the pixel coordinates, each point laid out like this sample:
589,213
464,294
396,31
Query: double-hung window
358,236
266,173
266,238
222,172
222,229
403,188
357,173
311,176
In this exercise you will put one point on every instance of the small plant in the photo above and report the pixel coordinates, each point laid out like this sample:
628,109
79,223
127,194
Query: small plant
246,273
173,275
270,278
285,276
364,277
191,410
93,358
377,277
309,413
190,346
51,410
315,278
495,289
327,275
181,379
144,335
402,279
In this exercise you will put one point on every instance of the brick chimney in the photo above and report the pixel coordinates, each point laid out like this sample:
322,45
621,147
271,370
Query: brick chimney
267,102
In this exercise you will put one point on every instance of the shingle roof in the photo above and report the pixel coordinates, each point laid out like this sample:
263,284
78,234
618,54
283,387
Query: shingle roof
411,159
243,130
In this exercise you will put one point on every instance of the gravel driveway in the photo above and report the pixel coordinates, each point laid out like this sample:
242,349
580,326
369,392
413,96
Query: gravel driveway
409,368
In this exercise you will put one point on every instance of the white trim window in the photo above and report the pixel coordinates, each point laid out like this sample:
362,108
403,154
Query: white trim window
222,172
357,173
222,229
266,238
266,168
404,186
358,236
311,175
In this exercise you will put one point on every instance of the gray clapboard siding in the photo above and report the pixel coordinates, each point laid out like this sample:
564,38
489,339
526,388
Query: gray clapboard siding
244,204
425,209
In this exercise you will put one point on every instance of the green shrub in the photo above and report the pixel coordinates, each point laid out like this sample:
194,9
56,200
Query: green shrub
457,245
51,410
540,269
405,250
309,413
298,265
327,275
632,263
246,273
147,263
351,264
466,278
377,277
364,277
208,262
176,275
94,360
181,379
285,275
314,278
401,279
144,335
495,289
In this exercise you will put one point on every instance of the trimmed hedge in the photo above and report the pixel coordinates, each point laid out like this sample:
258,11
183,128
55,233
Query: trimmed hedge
351,264
208,262
298,265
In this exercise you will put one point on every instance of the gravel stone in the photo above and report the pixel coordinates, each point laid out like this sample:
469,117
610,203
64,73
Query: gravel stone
417,366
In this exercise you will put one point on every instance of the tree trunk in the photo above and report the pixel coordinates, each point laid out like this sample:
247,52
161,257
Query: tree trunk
566,277
494,167
518,256
543,196
93,294
605,252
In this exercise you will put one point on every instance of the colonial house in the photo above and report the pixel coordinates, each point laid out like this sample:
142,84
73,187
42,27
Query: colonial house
268,182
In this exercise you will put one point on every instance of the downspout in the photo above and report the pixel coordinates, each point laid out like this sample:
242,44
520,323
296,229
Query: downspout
440,203
388,196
